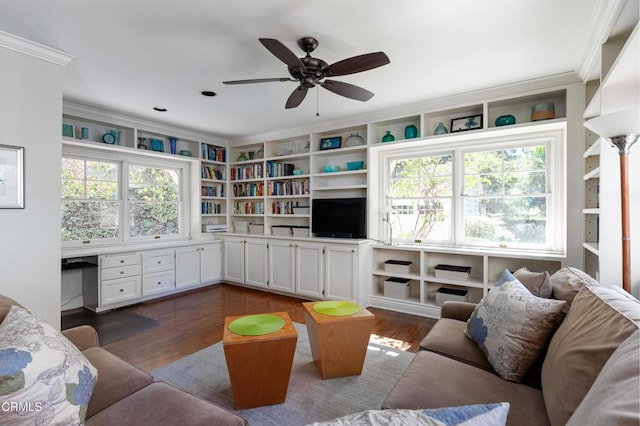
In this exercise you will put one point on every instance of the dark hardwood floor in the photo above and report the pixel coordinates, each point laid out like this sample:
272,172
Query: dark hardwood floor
194,320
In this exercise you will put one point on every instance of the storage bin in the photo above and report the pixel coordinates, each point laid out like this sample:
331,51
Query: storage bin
455,294
281,230
241,226
403,266
300,231
398,288
452,272
256,228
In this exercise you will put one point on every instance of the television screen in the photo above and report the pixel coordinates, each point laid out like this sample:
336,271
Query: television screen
339,217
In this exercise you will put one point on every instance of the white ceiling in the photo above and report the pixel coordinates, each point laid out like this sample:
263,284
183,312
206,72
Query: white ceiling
133,55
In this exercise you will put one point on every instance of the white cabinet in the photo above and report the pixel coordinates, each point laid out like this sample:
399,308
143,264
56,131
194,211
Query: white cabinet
118,280
309,261
281,266
341,272
246,261
158,272
198,265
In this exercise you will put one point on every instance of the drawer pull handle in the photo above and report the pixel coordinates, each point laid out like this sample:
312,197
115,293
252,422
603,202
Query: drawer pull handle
159,282
121,290
159,262
122,261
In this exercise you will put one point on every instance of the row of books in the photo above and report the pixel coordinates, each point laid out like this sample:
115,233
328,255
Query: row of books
215,190
216,172
254,171
249,207
283,207
275,169
248,189
288,187
214,153
209,207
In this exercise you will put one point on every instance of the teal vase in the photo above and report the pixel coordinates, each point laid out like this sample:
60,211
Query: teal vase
410,132
440,129
388,137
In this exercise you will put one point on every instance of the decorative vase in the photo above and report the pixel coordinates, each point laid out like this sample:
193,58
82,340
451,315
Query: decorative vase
142,143
388,137
410,132
242,157
172,144
505,120
260,153
440,129
354,139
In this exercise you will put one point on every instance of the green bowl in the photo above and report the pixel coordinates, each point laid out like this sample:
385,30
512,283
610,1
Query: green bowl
505,120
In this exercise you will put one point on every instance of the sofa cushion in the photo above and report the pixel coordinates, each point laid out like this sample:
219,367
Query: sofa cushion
161,404
538,283
435,381
614,398
447,338
41,367
599,320
566,283
511,326
116,380
468,415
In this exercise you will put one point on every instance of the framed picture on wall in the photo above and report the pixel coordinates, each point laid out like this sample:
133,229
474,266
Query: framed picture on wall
330,143
11,177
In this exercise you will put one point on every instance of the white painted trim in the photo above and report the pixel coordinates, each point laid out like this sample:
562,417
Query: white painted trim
604,20
34,49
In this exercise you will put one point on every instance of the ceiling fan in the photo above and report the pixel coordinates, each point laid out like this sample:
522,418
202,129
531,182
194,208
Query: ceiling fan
309,71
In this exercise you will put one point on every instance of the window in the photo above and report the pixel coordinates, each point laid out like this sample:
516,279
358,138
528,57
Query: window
122,198
90,200
488,192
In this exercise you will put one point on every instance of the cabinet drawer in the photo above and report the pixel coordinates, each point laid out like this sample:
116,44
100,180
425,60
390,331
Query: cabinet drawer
157,261
120,290
157,283
125,259
120,272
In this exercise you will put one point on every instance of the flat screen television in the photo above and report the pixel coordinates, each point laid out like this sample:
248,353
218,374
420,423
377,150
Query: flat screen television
339,217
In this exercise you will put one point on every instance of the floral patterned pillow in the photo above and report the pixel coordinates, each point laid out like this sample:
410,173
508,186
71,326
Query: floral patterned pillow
511,326
44,378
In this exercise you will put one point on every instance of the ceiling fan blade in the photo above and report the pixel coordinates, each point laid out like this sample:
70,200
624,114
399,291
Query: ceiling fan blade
258,80
347,90
283,53
357,64
296,97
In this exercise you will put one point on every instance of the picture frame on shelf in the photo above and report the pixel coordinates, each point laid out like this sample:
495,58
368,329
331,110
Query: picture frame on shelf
11,177
330,143
68,130
470,122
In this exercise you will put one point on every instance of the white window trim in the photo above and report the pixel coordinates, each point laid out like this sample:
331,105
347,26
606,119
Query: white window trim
553,133
124,158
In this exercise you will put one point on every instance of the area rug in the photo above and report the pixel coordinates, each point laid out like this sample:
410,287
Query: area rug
309,398
110,326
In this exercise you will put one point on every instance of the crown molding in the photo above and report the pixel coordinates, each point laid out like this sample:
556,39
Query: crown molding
603,22
36,50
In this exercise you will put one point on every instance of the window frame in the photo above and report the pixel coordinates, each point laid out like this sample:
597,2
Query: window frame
553,135
184,165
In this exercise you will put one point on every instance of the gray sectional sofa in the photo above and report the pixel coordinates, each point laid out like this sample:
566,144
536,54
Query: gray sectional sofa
588,371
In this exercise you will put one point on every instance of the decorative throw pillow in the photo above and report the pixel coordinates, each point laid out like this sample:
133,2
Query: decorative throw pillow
511,326
566,283
538,283
467,415
44,378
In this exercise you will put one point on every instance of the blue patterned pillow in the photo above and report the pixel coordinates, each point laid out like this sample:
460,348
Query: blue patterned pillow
469,415
511,326
44,378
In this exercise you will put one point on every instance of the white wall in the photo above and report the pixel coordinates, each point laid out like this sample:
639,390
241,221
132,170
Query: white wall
30,117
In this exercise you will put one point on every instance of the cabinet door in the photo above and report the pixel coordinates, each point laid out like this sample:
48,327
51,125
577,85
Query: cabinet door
255,257
309,270
281,266
341,272
234,260
210,263
187,267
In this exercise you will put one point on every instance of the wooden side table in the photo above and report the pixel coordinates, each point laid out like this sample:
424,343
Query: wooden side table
338,343
260,366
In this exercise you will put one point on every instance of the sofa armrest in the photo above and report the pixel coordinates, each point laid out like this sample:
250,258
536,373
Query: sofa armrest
460,311
83,336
